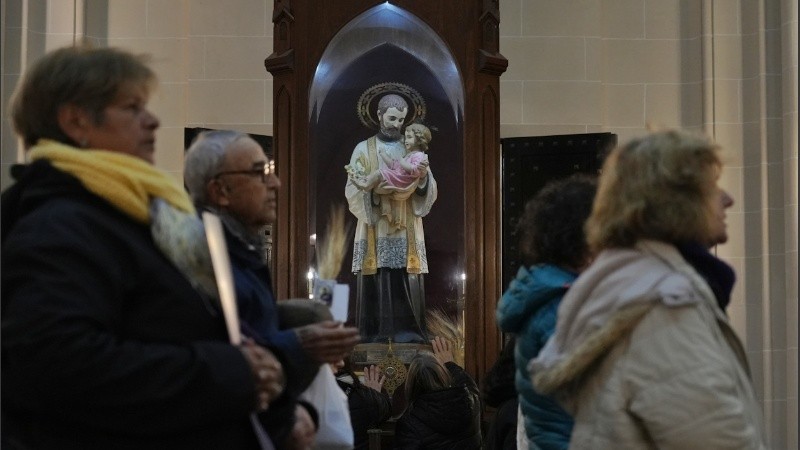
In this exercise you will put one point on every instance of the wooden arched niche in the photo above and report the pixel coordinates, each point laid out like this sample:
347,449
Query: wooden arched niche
388,50
324,61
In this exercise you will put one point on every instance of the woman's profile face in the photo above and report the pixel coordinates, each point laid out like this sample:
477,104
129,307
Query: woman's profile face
720,201
127,125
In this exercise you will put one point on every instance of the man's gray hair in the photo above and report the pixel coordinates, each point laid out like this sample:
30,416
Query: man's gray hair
391,101
204,160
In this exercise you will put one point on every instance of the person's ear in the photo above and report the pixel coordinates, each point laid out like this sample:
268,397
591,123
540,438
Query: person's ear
74,122
217,193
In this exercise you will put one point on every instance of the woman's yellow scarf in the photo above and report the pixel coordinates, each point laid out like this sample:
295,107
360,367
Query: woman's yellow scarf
127,182
145,194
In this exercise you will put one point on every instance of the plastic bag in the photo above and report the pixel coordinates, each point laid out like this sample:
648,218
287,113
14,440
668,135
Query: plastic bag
335,430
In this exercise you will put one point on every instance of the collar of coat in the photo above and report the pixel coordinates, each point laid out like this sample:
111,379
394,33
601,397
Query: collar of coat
127,182
607,301
145,194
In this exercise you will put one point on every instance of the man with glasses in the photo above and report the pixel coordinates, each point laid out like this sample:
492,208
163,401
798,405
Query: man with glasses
227,173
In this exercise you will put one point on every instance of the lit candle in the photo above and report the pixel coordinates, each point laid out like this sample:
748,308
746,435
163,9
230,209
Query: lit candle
310,278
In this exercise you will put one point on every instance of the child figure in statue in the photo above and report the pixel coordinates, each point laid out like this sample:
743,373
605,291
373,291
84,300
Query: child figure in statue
401,173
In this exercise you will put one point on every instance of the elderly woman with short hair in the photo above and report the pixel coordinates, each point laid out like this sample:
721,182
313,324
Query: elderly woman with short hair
106,342
643,354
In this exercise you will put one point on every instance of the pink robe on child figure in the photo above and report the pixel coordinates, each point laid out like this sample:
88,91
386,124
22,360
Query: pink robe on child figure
396,176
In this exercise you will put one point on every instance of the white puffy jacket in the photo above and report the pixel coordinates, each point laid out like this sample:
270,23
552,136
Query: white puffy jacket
643,357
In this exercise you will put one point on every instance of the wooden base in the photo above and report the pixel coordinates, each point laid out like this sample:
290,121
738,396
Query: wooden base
393,366
368,354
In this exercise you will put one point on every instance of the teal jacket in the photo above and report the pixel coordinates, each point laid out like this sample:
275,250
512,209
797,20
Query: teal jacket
529,309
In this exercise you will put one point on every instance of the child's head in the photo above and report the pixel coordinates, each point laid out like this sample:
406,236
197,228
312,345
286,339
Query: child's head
417,137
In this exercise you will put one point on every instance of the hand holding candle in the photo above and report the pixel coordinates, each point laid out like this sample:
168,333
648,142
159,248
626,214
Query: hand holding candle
267,373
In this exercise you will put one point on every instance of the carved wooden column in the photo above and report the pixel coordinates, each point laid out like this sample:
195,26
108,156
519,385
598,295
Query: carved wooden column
484,214
469,28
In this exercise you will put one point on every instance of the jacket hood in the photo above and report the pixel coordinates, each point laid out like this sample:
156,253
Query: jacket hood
532,289
606,302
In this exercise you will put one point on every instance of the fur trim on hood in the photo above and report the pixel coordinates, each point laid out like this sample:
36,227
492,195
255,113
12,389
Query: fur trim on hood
606,303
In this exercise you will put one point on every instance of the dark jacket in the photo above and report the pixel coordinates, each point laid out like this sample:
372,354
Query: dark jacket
368,407
502,432
105,345
446,419
258,312
499,392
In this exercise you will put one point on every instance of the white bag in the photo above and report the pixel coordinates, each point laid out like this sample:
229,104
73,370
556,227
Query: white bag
335,431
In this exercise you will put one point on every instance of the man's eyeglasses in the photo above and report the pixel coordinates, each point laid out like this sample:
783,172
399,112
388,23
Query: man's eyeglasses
262,170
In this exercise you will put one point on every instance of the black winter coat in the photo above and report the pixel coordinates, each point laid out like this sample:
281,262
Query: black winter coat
368,409
258,312
446,419
105,345
500,392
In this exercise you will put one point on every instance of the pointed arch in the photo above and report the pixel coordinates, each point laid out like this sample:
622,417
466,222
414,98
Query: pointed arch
381,25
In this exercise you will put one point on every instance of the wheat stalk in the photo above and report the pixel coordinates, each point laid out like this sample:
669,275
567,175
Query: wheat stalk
331,249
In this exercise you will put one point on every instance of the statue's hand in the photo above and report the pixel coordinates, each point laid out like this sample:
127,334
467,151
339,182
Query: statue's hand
359,182
422,170
380,190
383,188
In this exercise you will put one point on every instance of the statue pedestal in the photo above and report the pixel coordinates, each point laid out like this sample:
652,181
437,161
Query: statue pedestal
369,354
393,360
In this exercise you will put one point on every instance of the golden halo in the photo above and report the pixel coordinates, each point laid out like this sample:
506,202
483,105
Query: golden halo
367,107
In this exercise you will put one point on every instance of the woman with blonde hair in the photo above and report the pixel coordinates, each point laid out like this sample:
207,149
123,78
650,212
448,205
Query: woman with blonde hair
443,404
643,354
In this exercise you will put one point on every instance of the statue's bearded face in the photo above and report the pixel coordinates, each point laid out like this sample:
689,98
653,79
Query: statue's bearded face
392,122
